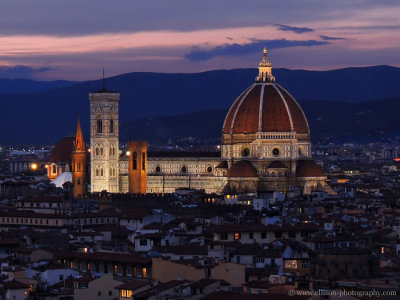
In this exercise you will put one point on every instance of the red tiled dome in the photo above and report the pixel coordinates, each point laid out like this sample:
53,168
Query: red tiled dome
242,168
62,151
265,107
308,168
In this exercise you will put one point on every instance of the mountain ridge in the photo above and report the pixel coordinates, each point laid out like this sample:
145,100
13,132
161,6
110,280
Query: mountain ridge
45,117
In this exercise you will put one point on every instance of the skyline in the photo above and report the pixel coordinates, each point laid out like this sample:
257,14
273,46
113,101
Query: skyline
75,40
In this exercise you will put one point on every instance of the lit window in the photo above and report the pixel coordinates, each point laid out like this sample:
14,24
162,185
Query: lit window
144,272
143,161
237,236
291,264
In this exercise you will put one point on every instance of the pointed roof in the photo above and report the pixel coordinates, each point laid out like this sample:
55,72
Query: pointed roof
79,143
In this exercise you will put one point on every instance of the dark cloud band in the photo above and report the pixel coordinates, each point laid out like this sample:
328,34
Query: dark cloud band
294,29
198,54
330,38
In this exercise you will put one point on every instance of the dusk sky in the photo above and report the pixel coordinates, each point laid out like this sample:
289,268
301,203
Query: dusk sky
75,39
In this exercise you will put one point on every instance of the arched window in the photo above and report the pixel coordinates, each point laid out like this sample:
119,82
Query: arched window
97,151
97,172
54,169
101,151
78,167
99,126
101,172
78,180
134,161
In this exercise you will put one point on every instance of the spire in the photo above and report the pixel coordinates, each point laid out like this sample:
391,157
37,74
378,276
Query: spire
79,144
265,69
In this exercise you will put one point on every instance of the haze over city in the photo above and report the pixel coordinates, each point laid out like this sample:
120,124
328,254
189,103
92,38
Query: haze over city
48,40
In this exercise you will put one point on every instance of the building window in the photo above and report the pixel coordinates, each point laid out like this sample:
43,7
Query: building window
78,167
292,234
54,169
251,235
126,293
305,264
97,172
111,126
183,169
224,236
237,236
209,169
99,293
144,272
78,180
134,161
291,264
101,151
158,169
101,172
143,161
99,126
278,234
143,242
276,151
263,235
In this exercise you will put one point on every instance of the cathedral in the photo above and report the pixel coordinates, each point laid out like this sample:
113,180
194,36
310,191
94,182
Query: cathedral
265,146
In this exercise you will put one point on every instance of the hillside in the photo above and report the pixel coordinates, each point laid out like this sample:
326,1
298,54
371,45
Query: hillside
44,117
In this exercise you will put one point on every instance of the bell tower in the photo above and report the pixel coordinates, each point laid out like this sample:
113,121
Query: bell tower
78,159
137,173
104,140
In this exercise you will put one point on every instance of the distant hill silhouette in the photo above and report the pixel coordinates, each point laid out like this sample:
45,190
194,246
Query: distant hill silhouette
23,86
44,116
328,120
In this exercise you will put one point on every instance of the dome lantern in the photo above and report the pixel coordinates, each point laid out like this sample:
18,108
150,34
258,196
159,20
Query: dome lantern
265,69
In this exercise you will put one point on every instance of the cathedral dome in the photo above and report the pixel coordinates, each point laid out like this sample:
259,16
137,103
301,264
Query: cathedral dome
242,168
265,107
62,151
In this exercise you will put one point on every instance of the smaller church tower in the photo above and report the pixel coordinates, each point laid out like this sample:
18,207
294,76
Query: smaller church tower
137,173
78,159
